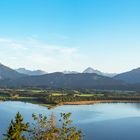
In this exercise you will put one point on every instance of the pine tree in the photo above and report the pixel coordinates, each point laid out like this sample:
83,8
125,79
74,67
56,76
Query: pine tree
16,129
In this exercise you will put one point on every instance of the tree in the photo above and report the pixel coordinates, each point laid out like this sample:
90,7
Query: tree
43,128
68,132
52,121
16,129
47,130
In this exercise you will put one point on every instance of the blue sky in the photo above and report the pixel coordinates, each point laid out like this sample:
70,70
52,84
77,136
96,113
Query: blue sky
57,35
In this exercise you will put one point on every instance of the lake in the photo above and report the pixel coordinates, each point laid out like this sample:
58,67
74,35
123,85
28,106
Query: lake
106,121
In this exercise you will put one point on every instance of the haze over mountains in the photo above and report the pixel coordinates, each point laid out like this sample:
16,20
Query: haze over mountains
89,78
30,72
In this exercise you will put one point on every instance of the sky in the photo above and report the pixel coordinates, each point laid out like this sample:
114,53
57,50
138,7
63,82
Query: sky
58,35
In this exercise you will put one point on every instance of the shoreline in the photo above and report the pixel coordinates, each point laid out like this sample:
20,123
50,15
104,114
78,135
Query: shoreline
52,106
99,101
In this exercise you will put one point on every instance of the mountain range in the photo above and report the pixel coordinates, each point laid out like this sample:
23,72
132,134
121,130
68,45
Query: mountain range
89,78
40,72
66,81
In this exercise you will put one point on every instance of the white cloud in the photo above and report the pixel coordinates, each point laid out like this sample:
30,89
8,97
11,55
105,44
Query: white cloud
35,54
5,40
11,44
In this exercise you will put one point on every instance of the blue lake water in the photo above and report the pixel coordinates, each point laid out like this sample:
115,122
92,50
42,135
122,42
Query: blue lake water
113,121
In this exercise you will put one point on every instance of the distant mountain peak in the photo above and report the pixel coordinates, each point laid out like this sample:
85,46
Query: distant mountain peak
30,72
91,70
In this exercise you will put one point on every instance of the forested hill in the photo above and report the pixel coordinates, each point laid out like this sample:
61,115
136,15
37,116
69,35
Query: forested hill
69,81
132,77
